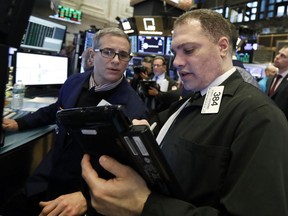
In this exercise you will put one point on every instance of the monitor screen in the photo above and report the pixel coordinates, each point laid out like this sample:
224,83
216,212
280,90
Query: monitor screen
151,45
38,69
256,70
88,39
168,46
245,56
133,41
43,35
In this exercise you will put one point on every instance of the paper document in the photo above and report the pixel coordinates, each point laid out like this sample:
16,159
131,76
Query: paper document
34,104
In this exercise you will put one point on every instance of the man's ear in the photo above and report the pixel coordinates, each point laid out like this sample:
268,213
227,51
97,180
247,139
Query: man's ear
90,61
91,54
223,44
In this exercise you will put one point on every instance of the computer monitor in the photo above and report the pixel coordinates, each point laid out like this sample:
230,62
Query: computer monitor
168,46
40,70
88,41
133,40
256,70
151,45
43,35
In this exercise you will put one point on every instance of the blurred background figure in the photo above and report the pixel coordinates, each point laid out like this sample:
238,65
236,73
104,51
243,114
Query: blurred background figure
165,84
270,71
277,85
142,72
86,60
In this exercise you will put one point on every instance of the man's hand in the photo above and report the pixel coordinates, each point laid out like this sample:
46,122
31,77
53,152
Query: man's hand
123,195
144,75
65,205
153,91
10,125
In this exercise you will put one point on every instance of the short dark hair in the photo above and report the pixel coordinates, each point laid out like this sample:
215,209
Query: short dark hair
160,57
148,59
213,24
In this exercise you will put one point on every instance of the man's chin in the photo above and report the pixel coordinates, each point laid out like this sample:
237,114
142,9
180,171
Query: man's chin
189,87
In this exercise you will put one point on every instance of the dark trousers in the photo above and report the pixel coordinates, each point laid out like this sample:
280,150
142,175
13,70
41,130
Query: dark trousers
20,204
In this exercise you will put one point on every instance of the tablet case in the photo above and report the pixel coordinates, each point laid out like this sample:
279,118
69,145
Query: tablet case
107,130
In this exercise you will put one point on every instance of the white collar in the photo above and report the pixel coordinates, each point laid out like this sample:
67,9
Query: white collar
284,73
160,77
219,80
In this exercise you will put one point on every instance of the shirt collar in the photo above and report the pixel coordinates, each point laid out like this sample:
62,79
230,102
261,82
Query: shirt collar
105,87
219,80
284,74
160,77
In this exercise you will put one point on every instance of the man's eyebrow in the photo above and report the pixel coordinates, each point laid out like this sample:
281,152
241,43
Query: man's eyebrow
182,45
178,46
283,54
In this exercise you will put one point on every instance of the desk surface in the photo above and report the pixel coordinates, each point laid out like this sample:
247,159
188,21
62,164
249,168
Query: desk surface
15,139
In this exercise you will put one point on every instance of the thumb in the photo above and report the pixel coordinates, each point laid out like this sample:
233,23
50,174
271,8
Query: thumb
43,203
88,173
113,166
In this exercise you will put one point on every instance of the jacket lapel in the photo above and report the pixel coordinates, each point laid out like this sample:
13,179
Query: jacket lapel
282,85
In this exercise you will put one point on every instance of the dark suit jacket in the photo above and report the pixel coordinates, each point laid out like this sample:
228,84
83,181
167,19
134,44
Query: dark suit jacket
164,99
280,96
63,172
224,161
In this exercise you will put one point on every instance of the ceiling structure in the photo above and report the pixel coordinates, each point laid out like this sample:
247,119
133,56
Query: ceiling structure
99,13
181,4
102,11
105,11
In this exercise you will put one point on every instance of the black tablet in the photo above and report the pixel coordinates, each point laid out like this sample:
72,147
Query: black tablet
107,130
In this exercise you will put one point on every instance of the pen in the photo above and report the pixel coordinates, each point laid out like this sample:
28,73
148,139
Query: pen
152,127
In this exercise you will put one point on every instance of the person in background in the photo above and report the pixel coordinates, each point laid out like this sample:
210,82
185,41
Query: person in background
161,77
270,71
229,153
153,98
57,182
142,72
277,86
